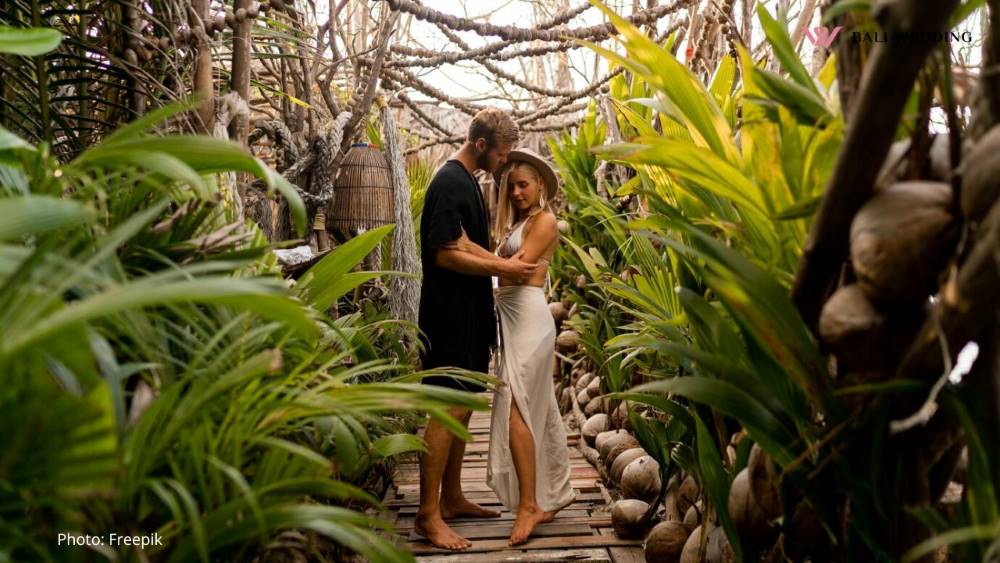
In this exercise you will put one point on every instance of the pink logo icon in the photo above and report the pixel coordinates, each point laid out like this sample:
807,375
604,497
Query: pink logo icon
823,36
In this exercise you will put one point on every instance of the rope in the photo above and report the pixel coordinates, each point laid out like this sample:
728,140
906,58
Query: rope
512,33
281,137
404,294
501,73
227,108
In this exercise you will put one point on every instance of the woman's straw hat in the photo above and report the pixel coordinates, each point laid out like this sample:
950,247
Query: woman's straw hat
549,176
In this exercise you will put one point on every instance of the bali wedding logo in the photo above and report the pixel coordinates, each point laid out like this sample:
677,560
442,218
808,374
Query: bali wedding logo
823,36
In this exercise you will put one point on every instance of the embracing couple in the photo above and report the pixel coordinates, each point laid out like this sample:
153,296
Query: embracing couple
528,460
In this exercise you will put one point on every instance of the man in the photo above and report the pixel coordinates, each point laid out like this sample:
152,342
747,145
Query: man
456,310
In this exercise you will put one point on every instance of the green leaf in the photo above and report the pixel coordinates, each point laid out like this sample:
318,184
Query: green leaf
163,163
732,401
951,537
657,66
266,299
206,155
331,277
845,6
29,215
799,209
28,42
695,164
716,482
396,444
10,145
807,105
782,46
965,10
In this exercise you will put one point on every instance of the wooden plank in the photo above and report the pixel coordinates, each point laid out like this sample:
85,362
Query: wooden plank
494,531
406,523
594,555
624,554
487,499
501,545
408,513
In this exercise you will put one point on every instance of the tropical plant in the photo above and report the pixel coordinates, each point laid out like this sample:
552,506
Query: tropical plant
714,244
160,377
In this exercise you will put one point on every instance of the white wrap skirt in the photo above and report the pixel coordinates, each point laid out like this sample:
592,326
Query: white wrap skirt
527,342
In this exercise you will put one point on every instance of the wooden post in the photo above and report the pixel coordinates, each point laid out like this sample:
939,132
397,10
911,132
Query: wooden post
240,82
203,85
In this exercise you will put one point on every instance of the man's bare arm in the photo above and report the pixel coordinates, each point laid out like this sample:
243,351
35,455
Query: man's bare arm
481,265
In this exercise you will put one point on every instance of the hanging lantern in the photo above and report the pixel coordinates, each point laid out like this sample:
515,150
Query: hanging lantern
362,191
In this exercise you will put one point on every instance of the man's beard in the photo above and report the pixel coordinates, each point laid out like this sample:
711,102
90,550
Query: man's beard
483,161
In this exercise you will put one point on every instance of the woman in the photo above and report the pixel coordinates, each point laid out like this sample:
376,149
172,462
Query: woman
528,460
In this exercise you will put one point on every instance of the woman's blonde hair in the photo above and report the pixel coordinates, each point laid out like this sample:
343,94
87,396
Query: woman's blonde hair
505,207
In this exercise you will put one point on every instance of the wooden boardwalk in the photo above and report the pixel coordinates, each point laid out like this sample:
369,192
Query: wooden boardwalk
580,533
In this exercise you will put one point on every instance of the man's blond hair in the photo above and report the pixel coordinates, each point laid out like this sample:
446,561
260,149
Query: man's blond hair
494,125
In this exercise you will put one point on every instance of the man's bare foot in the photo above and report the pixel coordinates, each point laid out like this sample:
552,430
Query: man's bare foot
527,518
465,509
439,534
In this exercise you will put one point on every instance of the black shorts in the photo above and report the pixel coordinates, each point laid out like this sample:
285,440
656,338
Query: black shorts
472,360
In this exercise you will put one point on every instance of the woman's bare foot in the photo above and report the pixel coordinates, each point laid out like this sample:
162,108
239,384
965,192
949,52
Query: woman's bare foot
527,518
465,509
439,534
549,516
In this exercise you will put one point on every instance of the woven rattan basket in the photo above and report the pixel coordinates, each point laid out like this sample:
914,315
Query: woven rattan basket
362,197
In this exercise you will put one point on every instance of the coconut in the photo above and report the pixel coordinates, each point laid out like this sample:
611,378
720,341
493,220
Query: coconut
582,398
861,335
595,406
641,479
558,311
566,400
603,437
805,530
692,547
719,550
750,521
278,5
665,542
940,155
763,474
619,417
897,162
594,387
563,226
594,426
981,176
622,461
618,444
240,15
961,472
717,547
851,327
568,341
692,516
687,494
627,518
618,449
902,239
584,380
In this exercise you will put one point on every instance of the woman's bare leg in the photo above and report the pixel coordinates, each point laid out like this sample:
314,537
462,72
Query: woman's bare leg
522,449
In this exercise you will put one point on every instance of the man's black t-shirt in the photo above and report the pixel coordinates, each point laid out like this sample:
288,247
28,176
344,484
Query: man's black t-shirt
456,310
